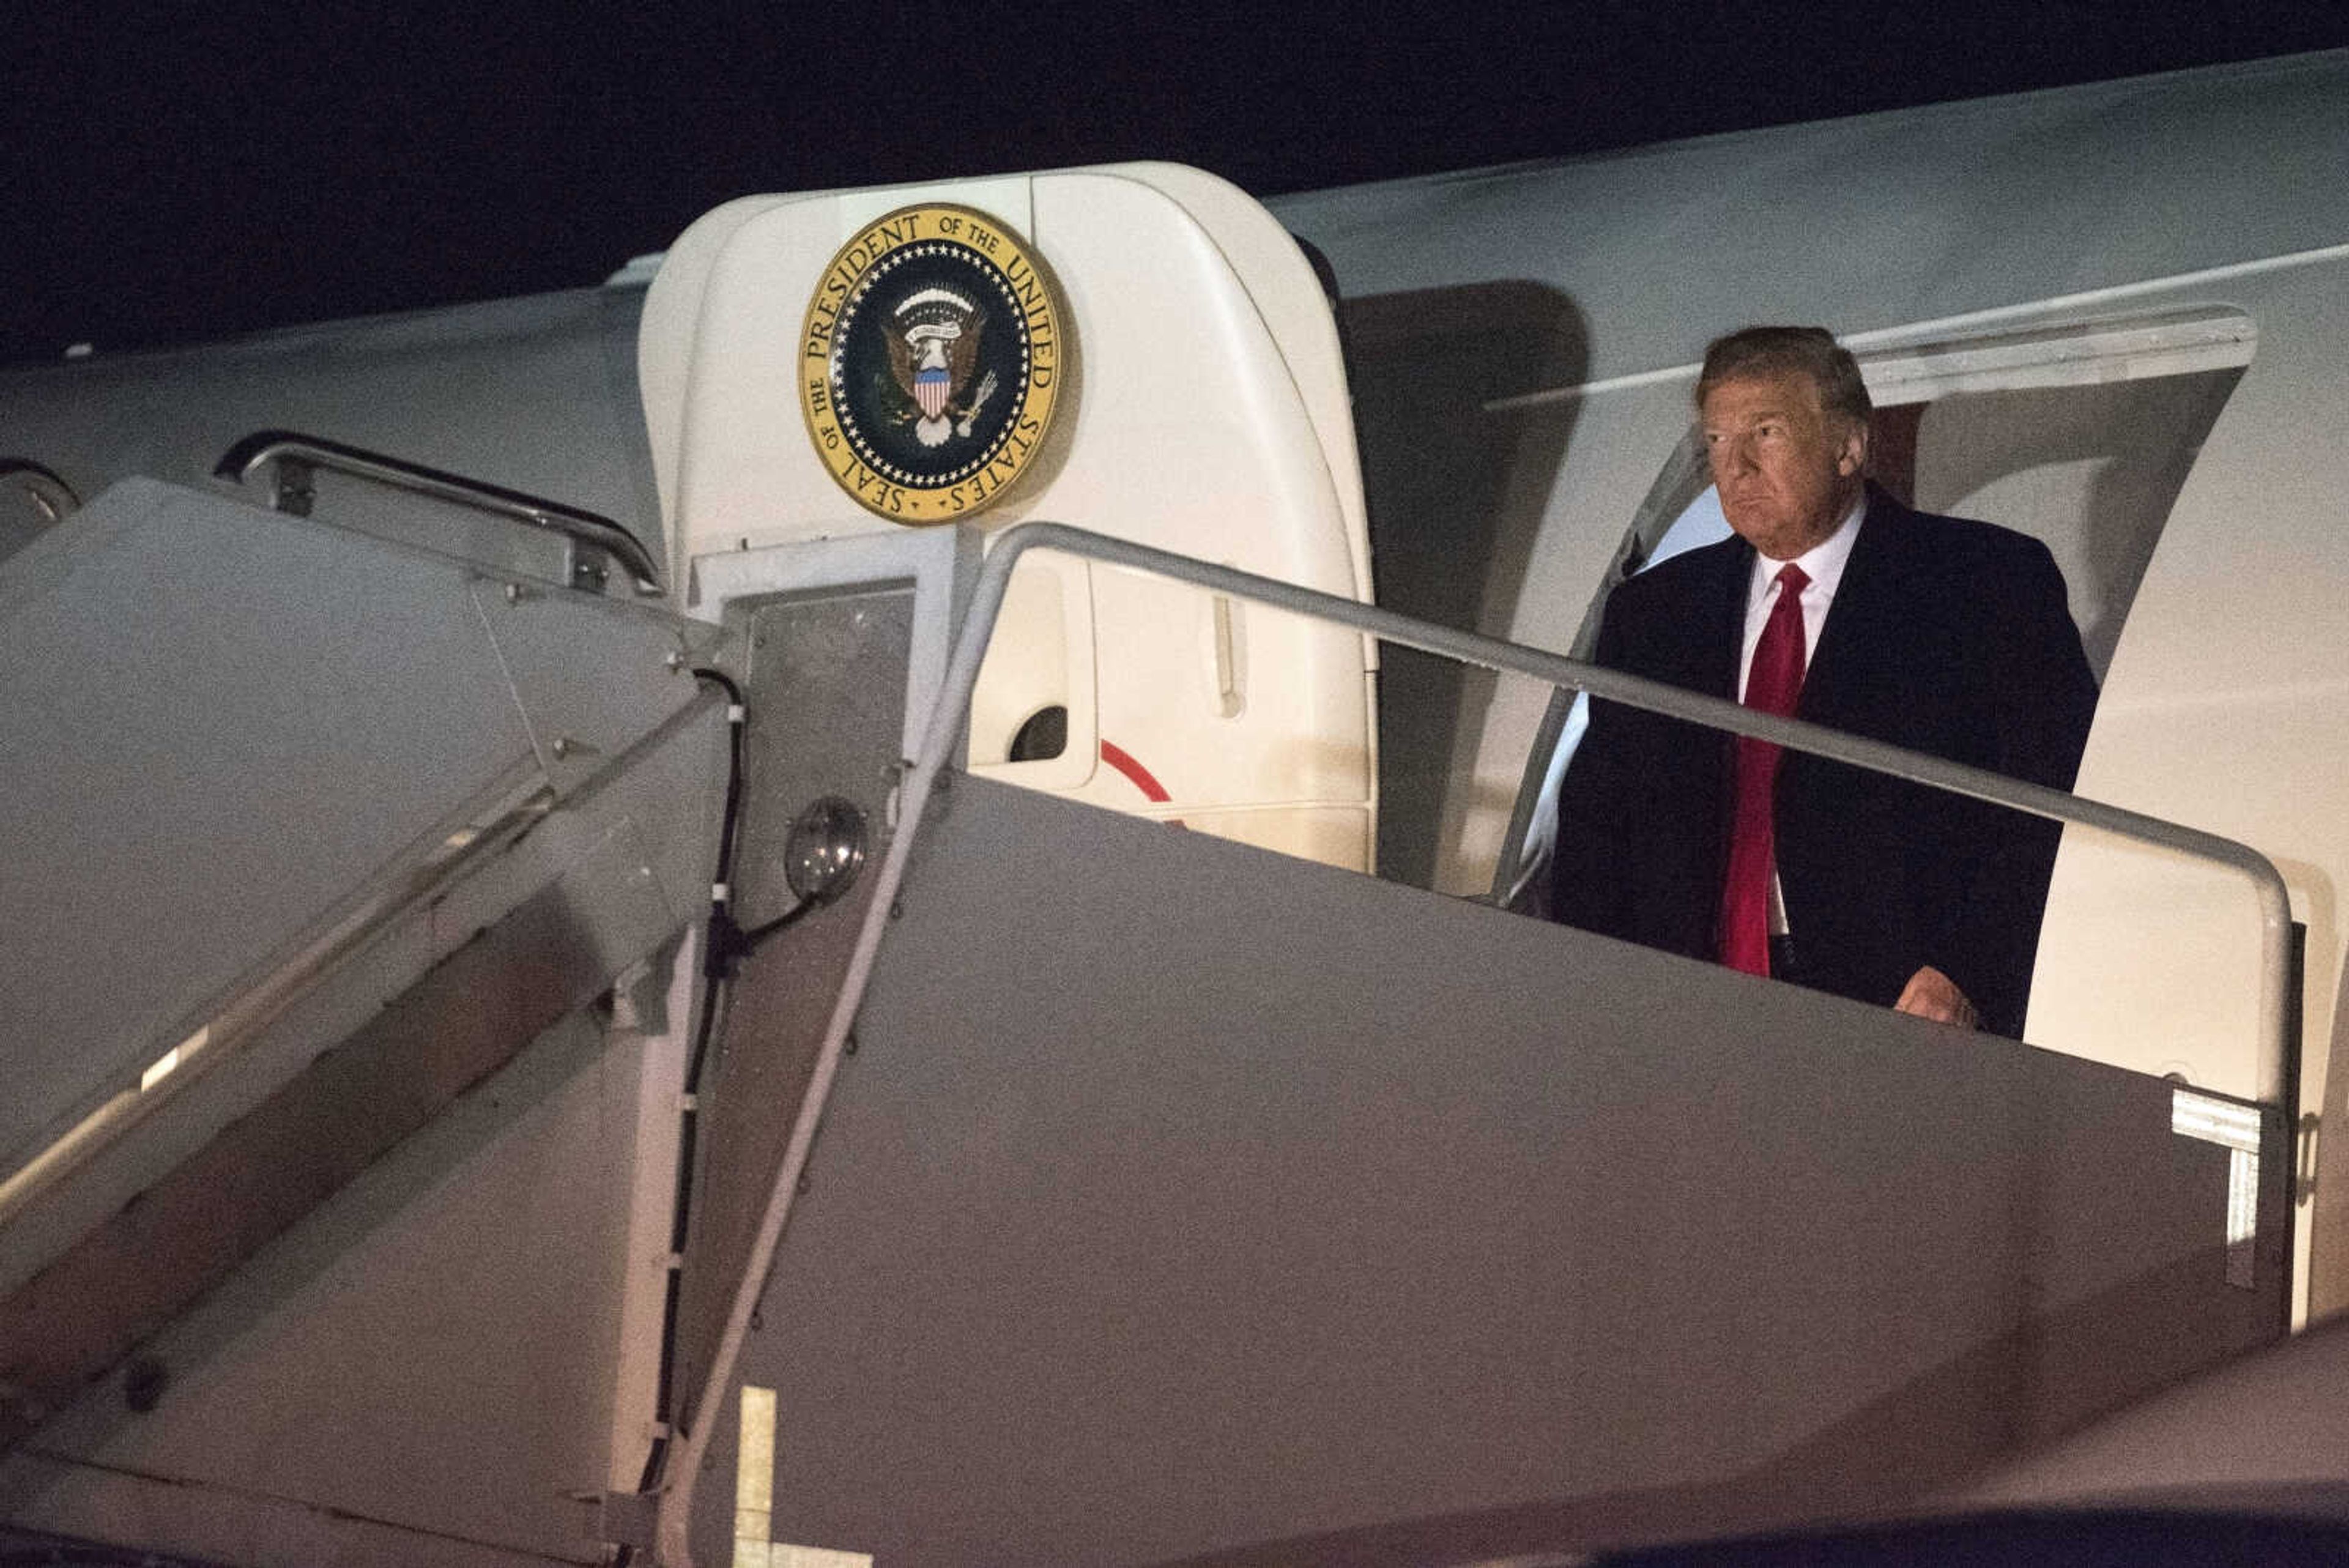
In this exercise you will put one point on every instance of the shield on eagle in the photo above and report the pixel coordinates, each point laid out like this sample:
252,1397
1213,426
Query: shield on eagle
933,348
932,385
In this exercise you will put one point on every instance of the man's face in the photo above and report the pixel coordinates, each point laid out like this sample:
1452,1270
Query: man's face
1786,470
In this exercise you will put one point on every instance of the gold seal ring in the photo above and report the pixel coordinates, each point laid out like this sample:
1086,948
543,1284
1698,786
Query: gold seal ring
932,358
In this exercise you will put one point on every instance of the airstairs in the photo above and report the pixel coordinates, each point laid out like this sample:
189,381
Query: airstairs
401,1175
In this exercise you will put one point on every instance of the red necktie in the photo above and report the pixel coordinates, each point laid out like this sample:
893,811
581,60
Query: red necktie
1772,685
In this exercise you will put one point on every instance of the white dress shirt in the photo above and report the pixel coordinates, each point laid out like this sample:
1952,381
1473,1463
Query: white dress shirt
1823,564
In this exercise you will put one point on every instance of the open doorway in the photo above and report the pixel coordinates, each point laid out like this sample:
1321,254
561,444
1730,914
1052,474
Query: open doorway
2081,435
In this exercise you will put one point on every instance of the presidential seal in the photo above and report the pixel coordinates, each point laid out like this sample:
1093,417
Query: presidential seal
930,363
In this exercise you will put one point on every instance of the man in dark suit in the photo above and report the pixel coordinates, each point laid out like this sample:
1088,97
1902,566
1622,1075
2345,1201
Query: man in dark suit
1838,605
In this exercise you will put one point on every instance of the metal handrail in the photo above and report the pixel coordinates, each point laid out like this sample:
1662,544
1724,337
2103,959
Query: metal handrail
941,741
261,999
1631,690
589,528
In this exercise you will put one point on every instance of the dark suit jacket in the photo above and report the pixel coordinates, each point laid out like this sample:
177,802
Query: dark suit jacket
1947,635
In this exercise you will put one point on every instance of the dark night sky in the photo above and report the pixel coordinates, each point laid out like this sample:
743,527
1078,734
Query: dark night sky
174,171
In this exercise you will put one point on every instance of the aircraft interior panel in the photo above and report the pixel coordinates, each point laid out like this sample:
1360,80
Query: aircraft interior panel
1456,502
1034,713
1581,484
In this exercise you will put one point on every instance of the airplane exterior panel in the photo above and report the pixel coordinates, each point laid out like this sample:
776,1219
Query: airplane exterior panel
1212,421
538,395
1875,221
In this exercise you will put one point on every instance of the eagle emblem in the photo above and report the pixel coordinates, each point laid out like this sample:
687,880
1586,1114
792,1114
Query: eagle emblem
933,350
934,343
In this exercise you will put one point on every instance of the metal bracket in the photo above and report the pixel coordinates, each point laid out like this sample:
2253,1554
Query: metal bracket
2236,1128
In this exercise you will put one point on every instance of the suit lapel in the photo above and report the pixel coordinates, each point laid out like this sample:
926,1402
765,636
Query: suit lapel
1733,576
1862,623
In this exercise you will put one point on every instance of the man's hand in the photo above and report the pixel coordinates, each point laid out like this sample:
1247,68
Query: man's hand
1929,993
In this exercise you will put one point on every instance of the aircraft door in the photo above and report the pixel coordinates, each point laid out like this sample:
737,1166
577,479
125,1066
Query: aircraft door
1034,713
